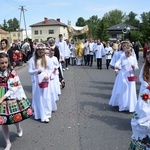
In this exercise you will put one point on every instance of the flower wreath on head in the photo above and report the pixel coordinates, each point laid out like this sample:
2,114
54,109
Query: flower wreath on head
40,46
146,96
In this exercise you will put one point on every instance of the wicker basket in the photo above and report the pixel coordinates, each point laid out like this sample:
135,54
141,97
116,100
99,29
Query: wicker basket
132,78
43,84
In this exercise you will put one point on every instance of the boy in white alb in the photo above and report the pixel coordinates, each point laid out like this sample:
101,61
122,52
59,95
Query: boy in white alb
108,54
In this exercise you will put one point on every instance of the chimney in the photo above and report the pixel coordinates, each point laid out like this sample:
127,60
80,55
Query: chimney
58,19
45,20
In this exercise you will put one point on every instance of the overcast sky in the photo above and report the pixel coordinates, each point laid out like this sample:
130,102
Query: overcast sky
66,10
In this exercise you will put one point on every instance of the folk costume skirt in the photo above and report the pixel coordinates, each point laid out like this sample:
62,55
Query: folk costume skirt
14,111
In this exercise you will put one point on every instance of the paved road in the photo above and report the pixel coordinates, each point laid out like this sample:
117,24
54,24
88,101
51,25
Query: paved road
84,120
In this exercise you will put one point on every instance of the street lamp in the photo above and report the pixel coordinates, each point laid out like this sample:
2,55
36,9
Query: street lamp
125,31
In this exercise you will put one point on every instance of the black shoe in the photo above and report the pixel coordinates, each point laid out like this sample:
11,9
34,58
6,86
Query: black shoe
62,84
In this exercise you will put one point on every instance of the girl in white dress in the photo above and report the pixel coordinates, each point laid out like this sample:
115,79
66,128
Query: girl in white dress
124,92
115,56
53,79
140,122
41,67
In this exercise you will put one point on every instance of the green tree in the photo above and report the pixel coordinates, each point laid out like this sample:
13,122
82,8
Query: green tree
80,23
114,17
4,25
10,25
133,36
92,23
13,24
131,19
145,26
101,31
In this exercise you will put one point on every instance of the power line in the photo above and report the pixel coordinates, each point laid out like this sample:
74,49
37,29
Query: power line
11,3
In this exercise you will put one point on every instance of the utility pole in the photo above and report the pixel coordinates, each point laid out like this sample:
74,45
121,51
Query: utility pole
22,12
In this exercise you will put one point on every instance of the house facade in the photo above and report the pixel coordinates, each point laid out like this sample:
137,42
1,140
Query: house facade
48,28
118,31
11,36
16,35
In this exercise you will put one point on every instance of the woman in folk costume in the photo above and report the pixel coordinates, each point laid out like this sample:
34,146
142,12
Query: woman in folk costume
125,97
40,69
14,106
140,122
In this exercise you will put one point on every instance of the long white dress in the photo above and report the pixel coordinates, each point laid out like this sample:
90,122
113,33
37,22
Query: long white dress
124,92
140,121
41,98
54,83
56,75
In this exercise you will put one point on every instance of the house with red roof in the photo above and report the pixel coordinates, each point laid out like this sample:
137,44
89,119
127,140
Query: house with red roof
47,28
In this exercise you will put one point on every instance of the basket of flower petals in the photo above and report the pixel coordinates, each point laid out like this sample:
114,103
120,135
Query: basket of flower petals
43,84
132,78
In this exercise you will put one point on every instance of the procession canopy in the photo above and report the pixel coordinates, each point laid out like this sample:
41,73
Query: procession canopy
78,30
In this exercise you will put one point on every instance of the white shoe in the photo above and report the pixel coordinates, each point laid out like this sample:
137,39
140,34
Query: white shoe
63,69
20,133
8,147
67,68
47,120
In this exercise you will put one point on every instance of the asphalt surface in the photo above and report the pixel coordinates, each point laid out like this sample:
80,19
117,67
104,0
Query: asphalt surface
84,120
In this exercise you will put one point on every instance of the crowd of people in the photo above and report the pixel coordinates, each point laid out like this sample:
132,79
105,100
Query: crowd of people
47,63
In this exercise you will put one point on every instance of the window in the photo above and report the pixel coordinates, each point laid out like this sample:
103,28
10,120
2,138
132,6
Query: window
36,32
51,31
40,31
113,36
14,34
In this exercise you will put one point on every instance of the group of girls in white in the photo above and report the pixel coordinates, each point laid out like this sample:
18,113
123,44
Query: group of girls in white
124,94
43,68
45,71
46,88
124,91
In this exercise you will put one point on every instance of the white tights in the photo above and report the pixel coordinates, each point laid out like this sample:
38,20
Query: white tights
5,131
